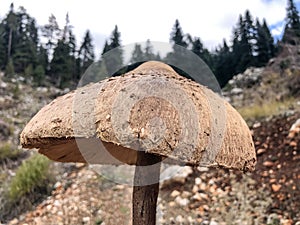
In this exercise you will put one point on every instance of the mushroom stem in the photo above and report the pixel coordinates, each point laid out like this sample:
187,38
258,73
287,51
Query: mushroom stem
145,196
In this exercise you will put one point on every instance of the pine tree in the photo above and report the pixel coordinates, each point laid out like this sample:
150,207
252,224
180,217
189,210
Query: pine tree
69,39
177,39
11,22
243,43
177,35
199,49
2,47
51,32
42,57
60,65
112,54
86,54
223,64
149,54
265,48
25,49
141,55
247,39
292,27
292,18
137,54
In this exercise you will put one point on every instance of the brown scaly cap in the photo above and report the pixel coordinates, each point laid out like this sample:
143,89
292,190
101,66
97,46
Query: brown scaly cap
150,108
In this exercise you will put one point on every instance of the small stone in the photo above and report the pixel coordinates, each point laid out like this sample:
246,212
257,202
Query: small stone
176,174
256,125
213,223
276,187
182,201
286,222
268,164
185,194
197,197
86,219
198,181
202,169
195,189
179,219
15,221
174,193
272,180
190,220
49,207
172,204
79,165
261,151
273,219
293,144
57,185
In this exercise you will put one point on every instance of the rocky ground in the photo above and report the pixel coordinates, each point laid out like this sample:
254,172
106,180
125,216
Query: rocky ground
271,195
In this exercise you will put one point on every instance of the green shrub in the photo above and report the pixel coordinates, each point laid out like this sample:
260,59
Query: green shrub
9,69
32,182
7,151
32,175
39,75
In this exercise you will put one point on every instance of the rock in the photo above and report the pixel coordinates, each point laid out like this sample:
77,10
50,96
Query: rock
276,187
3,85
202,169
175,193
195,189
268,164
185,194
261,151
197,197
247,79
198,181
179,219
295,129
236,91
172,204
86,220
256,125
182,201
213,223
286,222
15,221
57,185
273,219
293,144
175,174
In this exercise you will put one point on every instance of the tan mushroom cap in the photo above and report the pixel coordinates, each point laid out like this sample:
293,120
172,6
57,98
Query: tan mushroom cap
150,108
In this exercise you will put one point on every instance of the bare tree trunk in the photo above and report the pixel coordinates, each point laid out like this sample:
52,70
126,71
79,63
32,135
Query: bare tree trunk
9,44
145,196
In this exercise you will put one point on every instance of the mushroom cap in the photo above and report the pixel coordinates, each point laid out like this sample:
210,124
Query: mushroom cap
150,108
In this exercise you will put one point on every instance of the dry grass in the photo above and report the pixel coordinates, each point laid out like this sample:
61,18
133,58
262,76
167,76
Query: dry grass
266,109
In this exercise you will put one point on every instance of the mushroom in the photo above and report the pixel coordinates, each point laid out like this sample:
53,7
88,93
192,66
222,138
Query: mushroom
145,117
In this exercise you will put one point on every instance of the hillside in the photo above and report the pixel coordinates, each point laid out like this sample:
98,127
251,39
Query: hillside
266,97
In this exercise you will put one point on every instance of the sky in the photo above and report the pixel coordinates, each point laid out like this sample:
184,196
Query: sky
138,21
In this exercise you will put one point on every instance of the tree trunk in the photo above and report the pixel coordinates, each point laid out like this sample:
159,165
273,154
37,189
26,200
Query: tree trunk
145,196
9,44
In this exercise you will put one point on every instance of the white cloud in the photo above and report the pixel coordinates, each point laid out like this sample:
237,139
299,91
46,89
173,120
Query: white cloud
139,20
